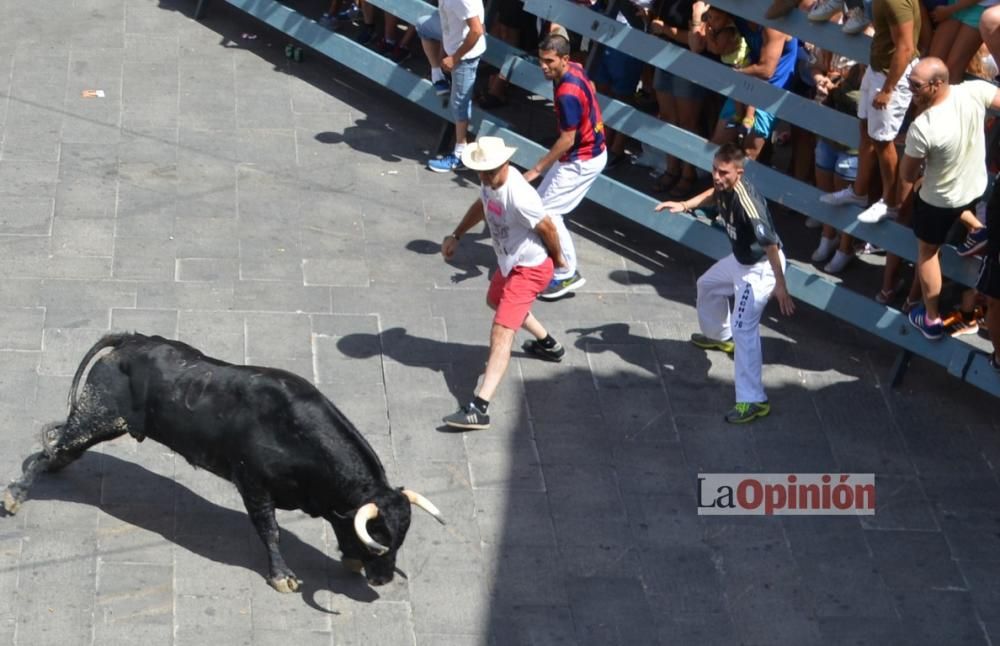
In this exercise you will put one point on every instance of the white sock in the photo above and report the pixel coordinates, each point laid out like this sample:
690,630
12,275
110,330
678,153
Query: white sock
459,149
436,74
840,260
825,248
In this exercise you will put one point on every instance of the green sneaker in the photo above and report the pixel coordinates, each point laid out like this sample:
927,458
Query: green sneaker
744,412
702,341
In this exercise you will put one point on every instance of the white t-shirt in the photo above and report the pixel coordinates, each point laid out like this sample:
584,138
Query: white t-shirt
950,137
454,29
512,213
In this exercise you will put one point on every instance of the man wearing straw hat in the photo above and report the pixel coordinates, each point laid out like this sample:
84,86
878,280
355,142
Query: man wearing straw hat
527,247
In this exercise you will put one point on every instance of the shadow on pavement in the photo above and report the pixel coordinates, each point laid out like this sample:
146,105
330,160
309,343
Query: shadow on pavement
229,529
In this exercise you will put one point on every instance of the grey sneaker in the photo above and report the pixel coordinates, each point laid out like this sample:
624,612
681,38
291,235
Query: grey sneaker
744,412
856,21
468,417
554,354
558,288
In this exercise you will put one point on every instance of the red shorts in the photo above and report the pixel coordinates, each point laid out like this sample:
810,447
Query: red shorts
513,295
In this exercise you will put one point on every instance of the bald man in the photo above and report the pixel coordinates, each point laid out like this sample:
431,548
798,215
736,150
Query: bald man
947,140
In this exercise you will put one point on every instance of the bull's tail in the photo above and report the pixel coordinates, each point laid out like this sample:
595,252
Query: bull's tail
107,341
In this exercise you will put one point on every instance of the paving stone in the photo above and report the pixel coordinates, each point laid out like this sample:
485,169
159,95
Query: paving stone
21,328
542,624
161,322
135,594
609,610
900,503
914,560
223,618
26,216
930,616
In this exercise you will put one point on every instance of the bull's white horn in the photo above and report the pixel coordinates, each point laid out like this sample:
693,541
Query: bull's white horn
361,518
423,503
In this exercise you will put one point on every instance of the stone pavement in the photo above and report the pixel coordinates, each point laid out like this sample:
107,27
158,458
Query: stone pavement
279,214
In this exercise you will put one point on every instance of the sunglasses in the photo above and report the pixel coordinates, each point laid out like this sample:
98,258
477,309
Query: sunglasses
917,85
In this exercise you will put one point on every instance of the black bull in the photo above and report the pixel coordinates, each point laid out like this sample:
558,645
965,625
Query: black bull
272,433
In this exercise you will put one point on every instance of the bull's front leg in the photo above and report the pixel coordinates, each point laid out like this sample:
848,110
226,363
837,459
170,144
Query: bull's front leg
260,506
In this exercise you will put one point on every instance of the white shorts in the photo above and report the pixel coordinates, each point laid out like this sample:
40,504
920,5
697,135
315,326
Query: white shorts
566,183
884,125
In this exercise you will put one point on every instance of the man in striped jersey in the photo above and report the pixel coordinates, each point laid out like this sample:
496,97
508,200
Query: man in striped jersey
576,158
752,273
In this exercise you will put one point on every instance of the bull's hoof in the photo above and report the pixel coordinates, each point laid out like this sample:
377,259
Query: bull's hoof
285,583
10,503
354,565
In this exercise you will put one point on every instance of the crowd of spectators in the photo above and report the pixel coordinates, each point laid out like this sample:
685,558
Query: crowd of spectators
963,34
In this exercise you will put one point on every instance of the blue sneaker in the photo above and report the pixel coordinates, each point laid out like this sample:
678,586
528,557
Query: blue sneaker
446,164
974,243
918,319
442,87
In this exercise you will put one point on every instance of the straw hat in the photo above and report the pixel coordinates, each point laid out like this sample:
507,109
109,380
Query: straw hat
487,153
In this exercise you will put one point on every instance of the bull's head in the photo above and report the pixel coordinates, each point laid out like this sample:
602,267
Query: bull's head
381,526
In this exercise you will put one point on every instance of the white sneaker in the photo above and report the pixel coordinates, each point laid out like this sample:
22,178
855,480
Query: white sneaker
856,21
813,223
877,212
843,196
825,9
840,260
825,248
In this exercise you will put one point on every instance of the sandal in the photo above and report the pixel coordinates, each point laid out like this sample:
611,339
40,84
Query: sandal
665,181
886,296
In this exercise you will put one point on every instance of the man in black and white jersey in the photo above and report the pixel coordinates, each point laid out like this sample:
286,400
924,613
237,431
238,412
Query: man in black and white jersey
752,273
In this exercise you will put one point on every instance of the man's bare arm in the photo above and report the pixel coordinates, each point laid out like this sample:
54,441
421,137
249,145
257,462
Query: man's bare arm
562,145
546,230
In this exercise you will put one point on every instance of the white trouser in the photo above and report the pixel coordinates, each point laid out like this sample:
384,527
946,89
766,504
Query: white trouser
751,285
562,189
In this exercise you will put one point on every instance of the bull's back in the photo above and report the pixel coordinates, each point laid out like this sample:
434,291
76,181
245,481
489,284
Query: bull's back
267,422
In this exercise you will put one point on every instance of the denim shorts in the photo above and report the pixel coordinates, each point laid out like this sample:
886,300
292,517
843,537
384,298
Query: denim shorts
832,160
678,86
429,27
969,16
463,76
463,82
763,122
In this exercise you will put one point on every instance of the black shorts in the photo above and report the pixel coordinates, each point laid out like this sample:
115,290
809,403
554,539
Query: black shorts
931,224
989,276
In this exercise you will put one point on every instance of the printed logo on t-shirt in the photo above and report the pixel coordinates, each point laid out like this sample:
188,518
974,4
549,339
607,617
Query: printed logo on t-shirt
493,208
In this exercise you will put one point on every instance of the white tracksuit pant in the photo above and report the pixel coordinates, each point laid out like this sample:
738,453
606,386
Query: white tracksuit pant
752,286
562,189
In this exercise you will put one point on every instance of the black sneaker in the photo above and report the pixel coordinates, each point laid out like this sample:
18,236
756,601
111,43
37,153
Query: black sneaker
468,417
365,35
554,354
559,288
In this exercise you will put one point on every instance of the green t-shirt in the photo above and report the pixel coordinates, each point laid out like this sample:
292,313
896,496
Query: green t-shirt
886,14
